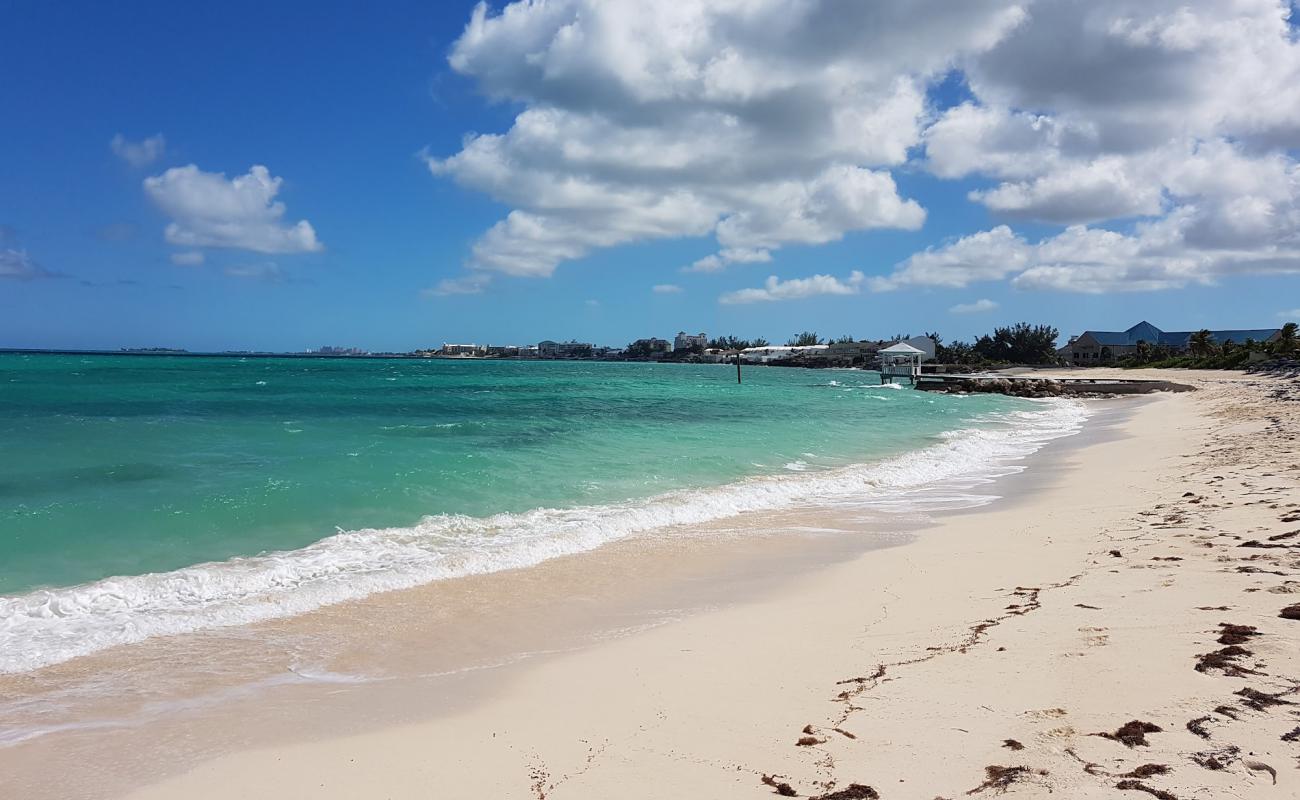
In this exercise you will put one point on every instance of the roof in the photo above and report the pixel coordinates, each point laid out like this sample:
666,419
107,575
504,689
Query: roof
1146,332
902,348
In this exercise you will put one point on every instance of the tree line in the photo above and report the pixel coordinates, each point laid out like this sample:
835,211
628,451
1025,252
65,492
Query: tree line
1205,353
1021,343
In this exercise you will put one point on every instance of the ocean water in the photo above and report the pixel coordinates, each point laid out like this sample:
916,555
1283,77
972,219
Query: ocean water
150,495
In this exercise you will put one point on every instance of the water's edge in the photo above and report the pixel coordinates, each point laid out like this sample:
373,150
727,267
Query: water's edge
52,626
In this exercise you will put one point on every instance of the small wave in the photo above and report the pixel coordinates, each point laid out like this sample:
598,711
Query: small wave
50,626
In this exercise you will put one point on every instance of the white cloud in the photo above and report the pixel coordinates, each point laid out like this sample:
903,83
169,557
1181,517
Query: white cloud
1167,127
473,283
141,153
18,266
1290,316
1183,114
719,261
977,307
774,289
207,210
667,288
189,258
764,123
985,256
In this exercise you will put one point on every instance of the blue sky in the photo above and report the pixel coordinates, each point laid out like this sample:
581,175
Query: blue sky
347,109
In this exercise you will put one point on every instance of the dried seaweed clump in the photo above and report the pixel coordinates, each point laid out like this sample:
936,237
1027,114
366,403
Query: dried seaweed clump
1236,634
782,788
1225,660
1291,612
854,791
1261,701
1147,770
1012,744
1000,779
1139,786
1132,733
1217,759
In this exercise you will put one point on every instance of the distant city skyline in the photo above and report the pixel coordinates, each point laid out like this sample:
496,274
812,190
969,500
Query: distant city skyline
582,170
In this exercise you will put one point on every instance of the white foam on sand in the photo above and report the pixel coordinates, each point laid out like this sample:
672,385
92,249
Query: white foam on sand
50,626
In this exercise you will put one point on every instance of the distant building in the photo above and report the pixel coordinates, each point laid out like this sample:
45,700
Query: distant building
329,350
923,343
464,350
651,347
569,349
850,354
776,352
1099,347
686,341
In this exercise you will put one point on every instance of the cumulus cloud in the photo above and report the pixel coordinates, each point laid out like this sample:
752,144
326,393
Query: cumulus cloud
16,265
977,307
209,210
1159,254
1156,136
774,289
667,288
984,256
762,123
189,258
1173,122
141,153
473,283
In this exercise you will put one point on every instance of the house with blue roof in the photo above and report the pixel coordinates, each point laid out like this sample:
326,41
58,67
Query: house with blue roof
1100,347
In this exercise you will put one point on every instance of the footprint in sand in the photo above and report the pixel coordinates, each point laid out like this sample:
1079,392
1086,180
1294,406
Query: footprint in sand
1095,637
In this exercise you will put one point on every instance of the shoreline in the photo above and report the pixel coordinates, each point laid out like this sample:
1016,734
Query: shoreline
640,584
715,700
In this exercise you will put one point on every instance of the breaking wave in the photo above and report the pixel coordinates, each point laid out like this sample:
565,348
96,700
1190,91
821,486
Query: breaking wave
50,626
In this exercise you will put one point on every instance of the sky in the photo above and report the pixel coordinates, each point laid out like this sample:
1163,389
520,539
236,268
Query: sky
282,176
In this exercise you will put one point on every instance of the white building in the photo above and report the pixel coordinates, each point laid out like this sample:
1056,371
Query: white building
686,341
762,355
464,350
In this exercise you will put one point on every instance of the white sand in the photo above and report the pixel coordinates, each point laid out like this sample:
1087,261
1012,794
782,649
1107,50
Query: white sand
1013,622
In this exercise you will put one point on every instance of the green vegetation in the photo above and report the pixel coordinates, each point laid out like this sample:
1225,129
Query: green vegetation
805,339
734,343
1206,354
1021,343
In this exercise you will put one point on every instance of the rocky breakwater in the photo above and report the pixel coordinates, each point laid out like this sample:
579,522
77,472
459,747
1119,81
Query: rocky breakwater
1045,387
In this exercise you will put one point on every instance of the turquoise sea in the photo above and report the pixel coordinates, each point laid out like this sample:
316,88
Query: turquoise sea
146,495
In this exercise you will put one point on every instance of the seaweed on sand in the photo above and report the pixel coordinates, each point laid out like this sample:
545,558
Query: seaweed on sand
1000,778
1225,661
1132,733
1197,726
1262,701
781,787
1236,634
854,791
1139,786
1217,759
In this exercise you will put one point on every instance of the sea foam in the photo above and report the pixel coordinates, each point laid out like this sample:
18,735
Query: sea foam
50,626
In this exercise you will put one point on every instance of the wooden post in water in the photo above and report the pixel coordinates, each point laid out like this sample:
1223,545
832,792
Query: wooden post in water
737,366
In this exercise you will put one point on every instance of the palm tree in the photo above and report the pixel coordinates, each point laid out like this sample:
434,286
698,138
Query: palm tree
1142,353
1286,339
1201,343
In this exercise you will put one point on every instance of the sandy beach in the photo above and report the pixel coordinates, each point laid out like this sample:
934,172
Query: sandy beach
1111,625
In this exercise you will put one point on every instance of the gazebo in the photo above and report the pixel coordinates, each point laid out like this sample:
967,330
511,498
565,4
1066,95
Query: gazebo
900,361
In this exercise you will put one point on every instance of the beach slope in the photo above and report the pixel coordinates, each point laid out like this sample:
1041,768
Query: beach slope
1118,626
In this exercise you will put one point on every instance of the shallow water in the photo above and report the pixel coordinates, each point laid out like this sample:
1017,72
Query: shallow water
142,496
